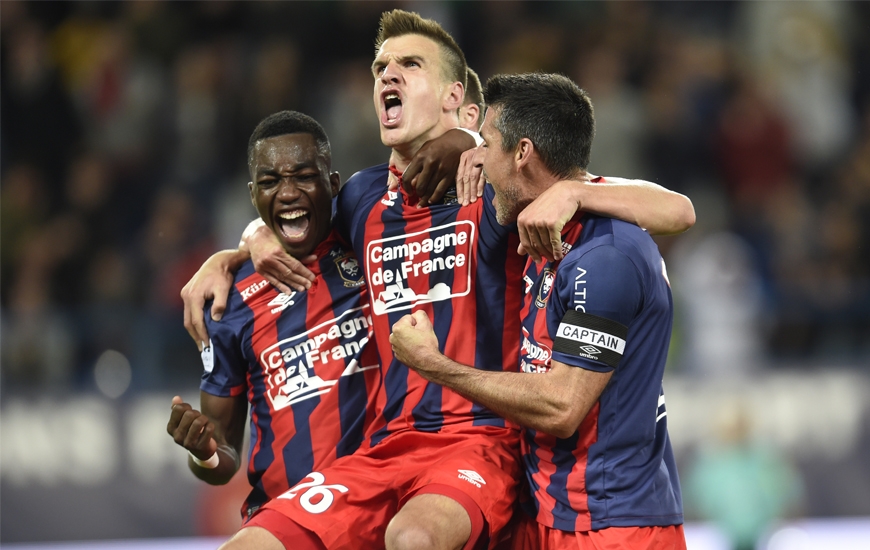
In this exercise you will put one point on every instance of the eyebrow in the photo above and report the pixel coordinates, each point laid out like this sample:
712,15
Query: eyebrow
270,170
378,63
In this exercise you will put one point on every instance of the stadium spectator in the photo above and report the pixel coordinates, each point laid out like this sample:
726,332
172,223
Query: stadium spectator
738,482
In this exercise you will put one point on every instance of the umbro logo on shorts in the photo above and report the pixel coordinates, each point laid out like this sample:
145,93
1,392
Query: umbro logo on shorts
472,477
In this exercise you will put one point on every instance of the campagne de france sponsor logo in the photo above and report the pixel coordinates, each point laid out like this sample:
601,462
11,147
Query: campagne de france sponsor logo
534,356
290,366
401,270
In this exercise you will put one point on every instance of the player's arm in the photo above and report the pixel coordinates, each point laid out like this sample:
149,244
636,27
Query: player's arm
470,181
271,261
433,170
215,278
555,403
646,204
211,282
212,437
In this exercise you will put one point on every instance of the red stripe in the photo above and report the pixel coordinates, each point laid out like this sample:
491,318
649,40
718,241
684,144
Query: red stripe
374,230
578,497
324,423
461,345
416,220
546,469
264,335
513,300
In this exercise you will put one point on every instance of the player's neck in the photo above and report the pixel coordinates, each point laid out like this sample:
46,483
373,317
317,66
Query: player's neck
400,160
403,153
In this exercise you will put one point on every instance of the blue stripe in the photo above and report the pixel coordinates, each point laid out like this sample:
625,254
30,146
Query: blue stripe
352,390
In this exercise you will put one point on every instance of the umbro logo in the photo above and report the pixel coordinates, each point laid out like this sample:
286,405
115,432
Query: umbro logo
391,198
472,477
282,302
591,350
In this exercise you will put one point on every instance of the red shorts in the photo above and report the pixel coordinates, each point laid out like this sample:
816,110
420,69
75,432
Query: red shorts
528,534
350,503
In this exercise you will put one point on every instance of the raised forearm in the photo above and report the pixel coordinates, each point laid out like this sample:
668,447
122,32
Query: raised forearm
227,466
531,400
646,204
228,416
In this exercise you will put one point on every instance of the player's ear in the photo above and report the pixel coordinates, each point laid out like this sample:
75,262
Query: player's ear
470,118
523,153
454,95
334,183
253,194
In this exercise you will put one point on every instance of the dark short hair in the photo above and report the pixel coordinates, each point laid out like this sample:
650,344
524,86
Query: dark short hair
474,91
289,122
550,110
400,22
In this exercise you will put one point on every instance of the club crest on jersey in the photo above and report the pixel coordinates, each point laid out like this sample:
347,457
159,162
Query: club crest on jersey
548,277
349,269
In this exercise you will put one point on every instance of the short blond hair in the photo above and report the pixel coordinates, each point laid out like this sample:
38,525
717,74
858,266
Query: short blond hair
474,91
400,23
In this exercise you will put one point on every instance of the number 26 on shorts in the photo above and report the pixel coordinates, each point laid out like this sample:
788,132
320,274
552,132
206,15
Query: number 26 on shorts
315,489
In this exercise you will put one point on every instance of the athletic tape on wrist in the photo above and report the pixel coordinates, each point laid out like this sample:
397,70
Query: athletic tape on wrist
211,463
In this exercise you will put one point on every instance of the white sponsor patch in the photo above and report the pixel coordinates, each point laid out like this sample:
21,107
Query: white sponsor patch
253,289
207,355
291,365
592,337
401,269
533,352
391,198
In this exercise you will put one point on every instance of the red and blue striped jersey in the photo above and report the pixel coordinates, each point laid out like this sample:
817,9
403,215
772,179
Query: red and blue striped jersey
454,262
606,306
307,363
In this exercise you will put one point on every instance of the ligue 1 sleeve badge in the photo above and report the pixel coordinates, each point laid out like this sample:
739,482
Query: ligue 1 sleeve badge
348,268
546,288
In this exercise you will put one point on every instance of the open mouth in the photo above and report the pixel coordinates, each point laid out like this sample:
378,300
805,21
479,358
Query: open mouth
392,107
294,224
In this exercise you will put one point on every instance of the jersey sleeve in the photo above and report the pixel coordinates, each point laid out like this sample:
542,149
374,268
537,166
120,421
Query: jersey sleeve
597,295
347,208
343,213
224,365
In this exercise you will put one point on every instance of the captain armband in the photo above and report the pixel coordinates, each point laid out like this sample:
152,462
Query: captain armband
591,337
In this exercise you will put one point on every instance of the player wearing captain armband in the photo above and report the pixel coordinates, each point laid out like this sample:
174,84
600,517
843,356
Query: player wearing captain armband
596,328
437,470
305,360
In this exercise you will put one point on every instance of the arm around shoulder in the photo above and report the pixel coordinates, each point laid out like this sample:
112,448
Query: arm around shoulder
658,210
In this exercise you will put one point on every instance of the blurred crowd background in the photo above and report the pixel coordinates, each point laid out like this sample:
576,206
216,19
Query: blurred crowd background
122,160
